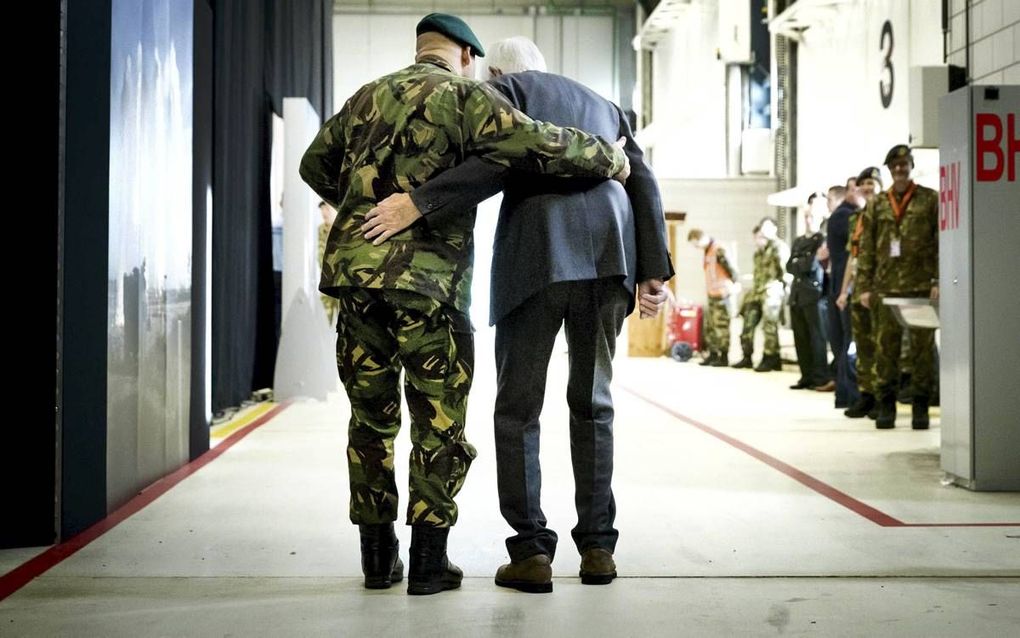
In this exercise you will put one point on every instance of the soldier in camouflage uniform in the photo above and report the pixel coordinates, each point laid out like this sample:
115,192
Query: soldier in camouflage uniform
869,184
328,215
762,303
899,258
404,305
719,276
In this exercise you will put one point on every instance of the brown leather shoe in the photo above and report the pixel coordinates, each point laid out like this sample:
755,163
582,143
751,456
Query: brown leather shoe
828,386
532,575
597,566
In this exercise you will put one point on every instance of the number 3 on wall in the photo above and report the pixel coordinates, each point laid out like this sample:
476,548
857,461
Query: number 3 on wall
886,89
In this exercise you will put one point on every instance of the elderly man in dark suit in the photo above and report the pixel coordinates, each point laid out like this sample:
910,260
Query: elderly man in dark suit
566,251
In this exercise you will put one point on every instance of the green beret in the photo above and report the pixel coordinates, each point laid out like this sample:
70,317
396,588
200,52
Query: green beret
870,172
897,152
453,28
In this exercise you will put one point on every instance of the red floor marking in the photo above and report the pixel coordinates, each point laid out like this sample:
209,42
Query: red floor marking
18,577
874,515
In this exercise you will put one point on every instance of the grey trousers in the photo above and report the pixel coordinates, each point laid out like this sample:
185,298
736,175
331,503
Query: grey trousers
593,312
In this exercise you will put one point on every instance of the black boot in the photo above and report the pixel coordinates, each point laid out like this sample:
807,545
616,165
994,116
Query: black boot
919,413
709,360
431,571
722,360
745,362
769,363
886,418
380,556
861,407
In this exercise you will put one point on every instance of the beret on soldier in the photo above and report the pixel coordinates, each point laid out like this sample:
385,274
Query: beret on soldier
870,172
453,28
897,152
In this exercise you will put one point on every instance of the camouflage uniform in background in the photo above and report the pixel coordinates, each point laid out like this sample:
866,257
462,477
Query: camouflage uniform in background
404,304
909,274
860,317
768,268
719,277
329,303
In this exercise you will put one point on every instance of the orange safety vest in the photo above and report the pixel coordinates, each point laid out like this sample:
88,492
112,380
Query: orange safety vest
717,280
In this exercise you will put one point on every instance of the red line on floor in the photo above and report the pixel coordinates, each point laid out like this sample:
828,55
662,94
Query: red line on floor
18,577
842,498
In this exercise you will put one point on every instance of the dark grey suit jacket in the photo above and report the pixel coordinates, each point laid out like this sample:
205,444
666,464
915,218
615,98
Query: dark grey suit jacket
553,229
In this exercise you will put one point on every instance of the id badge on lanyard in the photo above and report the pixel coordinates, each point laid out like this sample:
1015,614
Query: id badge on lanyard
894,247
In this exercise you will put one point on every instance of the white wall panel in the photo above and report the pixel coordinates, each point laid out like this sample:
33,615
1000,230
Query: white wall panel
842,124
689,100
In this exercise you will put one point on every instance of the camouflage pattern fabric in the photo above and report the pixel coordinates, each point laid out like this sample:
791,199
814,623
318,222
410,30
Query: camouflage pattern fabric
717,325
399,131
753,315
329,303
887,360
864,336
378,333
909,274
878,271
768,266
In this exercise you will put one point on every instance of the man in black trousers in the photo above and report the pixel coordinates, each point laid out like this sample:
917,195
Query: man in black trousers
805,294
566,252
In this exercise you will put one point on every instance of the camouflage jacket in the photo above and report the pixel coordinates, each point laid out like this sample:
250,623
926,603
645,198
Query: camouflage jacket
878,270
401,130
768,266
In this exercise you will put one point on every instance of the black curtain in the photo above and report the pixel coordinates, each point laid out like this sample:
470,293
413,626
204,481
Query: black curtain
264,51
300,50
240,206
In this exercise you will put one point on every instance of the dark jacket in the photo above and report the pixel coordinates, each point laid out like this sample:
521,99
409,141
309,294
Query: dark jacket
838,237
807,272
553,229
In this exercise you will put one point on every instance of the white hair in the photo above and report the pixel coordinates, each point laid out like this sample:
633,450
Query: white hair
514,55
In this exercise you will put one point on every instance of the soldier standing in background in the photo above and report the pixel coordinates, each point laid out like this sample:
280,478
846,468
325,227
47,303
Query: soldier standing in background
328,216
899,257
719,276
763,302
404,305
869,183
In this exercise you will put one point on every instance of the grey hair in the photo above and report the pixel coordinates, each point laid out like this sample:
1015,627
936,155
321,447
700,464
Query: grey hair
514,55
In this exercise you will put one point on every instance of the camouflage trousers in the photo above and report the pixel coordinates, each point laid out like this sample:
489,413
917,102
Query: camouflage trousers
863,333
717,326
380,332
753,315
889,340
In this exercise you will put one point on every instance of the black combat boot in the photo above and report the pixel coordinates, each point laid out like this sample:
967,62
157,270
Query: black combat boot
919,413
722,360
873,413
861,407
769,363
431,571
745,362
380,556
886,418
709,360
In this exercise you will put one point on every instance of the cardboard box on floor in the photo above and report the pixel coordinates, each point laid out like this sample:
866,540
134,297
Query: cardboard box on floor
650,337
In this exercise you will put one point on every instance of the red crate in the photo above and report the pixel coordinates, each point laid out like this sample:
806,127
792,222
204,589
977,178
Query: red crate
685,325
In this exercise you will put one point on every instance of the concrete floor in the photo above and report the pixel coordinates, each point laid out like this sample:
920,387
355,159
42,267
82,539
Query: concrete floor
714,541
